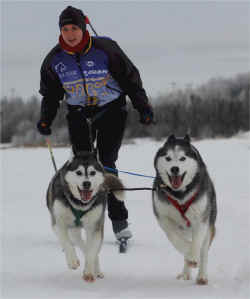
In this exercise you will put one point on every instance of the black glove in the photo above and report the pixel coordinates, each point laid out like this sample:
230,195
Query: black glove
147,116
43,128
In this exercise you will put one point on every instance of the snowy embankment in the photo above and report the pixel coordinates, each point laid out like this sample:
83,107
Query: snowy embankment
33,265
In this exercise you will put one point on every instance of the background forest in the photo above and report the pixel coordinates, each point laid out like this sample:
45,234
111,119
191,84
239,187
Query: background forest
218,108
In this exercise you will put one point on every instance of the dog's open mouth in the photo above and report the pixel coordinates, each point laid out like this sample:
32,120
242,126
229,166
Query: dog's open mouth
85,194
176,180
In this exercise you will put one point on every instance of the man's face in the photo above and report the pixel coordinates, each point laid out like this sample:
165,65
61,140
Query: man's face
72,34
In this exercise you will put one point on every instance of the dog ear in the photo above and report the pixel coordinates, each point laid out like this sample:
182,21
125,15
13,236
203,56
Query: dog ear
171,138
85,155
95,153
74,152
187,138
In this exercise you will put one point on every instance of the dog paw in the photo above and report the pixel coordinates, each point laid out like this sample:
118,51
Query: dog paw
100,275
88,277
202,281
184,276
73,264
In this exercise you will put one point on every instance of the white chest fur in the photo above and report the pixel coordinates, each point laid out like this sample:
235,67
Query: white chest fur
194,213
65,217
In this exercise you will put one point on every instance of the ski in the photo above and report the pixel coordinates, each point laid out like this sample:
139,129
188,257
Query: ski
123,245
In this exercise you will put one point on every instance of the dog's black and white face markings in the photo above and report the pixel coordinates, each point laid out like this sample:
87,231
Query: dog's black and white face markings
84,176
176,163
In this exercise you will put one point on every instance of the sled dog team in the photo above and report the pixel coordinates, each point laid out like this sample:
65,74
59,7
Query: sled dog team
184,204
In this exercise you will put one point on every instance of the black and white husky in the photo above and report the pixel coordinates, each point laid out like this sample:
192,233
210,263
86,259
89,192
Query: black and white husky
76,199
184,203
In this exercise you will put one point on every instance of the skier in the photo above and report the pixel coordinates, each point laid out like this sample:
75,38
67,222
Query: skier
94,75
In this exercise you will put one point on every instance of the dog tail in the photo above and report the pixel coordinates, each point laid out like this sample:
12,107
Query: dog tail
114,184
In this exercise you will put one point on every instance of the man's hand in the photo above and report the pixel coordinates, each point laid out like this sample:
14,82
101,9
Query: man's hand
43,128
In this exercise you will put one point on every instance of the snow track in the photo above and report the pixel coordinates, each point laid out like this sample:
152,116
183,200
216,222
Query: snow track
33,265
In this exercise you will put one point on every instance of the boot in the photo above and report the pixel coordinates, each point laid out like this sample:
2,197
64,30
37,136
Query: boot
121,230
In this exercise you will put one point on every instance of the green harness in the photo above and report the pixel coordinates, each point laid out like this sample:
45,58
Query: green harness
78,215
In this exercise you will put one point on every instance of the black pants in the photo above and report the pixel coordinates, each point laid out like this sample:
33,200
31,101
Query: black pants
108,127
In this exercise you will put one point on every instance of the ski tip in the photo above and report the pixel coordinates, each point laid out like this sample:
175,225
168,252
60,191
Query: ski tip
123,249
123,245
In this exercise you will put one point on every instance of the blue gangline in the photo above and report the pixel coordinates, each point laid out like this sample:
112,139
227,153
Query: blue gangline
127,172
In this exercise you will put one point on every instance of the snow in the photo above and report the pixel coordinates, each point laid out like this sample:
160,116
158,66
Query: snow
33,265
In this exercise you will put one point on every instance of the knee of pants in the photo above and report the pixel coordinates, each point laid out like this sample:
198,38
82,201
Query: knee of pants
108,157
78,131
109,162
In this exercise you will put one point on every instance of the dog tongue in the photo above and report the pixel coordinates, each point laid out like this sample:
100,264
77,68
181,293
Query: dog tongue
85,195
176,181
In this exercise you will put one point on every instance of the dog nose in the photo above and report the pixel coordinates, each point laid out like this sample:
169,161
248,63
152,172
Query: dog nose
175,170
86,184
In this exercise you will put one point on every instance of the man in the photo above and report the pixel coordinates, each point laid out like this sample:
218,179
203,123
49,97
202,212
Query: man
94,75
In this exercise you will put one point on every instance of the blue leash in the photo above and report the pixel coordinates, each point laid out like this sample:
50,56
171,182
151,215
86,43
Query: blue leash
127,172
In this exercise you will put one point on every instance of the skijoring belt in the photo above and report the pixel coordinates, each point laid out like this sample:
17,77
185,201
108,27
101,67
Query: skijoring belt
91,110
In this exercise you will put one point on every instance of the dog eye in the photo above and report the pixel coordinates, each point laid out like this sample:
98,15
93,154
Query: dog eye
79,172
92,173
182,158
168,159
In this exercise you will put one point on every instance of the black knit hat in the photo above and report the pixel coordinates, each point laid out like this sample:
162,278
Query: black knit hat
72,15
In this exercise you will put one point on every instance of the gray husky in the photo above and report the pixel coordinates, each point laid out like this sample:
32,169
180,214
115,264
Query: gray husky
184,203
76,199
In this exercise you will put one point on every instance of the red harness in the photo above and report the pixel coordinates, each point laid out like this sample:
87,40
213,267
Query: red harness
183,208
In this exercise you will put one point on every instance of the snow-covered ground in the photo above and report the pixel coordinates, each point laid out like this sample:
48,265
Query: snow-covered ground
33,265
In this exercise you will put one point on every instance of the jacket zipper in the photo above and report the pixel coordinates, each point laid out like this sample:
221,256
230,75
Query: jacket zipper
82,73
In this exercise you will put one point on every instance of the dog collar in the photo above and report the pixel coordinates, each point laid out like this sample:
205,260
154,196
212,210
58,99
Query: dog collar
182,208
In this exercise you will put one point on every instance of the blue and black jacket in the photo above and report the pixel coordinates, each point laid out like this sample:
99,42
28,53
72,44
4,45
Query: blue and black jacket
101,73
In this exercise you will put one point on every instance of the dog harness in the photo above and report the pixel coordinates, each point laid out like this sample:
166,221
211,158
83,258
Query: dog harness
183,208
78,215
